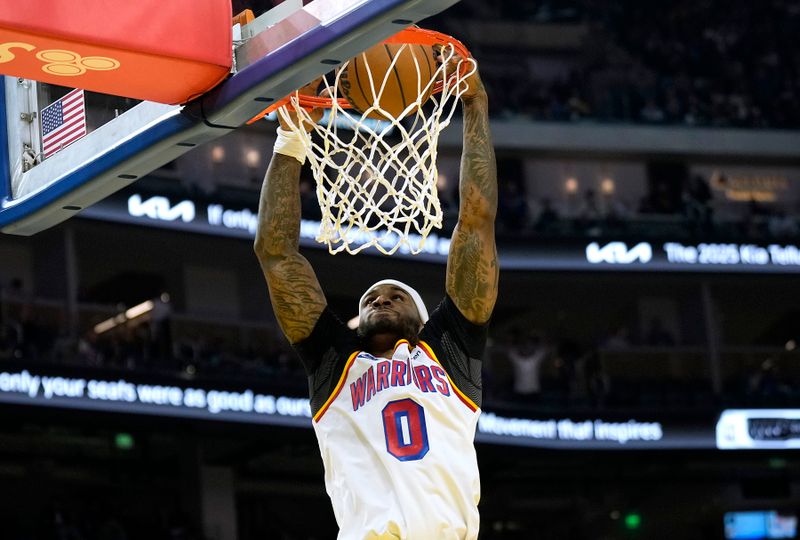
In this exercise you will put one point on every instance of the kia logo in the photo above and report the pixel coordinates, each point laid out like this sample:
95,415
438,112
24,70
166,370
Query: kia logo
160,208
619,253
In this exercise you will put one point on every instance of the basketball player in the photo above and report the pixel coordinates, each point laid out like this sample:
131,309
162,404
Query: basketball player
395,404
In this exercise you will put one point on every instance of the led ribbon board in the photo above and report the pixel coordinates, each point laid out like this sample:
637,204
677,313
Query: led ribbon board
135,393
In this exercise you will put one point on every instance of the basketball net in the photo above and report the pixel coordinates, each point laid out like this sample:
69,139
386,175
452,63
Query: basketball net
376,187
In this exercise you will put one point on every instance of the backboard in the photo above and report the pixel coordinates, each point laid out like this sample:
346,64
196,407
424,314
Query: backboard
272,56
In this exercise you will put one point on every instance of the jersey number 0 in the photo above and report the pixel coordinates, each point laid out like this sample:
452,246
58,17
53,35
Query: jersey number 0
405,431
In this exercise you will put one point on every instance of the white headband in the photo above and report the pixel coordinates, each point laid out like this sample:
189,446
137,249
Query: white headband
423,311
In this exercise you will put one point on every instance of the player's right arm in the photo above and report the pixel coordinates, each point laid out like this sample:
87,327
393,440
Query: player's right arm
294,290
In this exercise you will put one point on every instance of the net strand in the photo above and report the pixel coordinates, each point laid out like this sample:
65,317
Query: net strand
376,187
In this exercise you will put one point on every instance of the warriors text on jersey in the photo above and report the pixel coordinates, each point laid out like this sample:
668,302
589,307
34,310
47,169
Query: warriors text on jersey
397,435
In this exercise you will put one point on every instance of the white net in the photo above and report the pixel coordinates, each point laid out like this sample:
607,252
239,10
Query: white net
376,182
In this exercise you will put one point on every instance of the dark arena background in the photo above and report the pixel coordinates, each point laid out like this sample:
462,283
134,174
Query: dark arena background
643,375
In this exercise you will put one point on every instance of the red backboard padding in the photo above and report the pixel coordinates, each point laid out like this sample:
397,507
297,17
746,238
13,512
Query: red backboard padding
167,52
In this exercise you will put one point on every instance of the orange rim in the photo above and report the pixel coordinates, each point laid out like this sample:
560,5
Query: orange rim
412,36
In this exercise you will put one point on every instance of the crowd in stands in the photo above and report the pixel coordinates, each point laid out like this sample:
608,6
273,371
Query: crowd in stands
686,62
699,63
102,517
684,206
83,516
524,368
195,353
527,368
675,210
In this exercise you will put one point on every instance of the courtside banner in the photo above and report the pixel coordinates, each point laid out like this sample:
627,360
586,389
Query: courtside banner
135,394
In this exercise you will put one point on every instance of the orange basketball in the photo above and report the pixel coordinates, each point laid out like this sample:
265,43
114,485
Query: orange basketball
410,74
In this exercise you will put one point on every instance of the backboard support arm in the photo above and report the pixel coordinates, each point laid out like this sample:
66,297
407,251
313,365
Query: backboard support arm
5,171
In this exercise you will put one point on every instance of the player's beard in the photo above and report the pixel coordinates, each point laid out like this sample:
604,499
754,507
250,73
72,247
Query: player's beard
403,328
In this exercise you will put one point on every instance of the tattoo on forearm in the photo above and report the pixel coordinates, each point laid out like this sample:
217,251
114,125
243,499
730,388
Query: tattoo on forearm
279,207
472,269
296,295
478,163
472,275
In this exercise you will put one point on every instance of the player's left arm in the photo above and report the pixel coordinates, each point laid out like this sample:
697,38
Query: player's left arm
472,268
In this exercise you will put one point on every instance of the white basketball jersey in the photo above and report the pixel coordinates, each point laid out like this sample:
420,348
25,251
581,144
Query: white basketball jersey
397,441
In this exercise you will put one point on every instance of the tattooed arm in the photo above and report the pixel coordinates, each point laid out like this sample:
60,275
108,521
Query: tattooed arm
472,269
296,295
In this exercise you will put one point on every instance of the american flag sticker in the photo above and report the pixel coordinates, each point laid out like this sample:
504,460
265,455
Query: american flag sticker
63,122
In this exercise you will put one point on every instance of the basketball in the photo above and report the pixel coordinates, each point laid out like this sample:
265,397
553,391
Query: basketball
393,86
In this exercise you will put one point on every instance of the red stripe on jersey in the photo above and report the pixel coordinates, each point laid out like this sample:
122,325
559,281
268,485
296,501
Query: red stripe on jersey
338,387
464,399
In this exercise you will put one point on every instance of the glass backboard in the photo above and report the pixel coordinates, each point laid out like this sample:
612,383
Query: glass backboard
272,56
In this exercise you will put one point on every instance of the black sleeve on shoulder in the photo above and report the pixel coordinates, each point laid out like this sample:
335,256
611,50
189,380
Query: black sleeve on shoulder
324,354
459,345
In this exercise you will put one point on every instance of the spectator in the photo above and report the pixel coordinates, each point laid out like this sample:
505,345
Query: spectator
651,113
526,354
781,225
617,216
598,383
765,384
161,329
578,107
513,212
618,339
111,529
87,350
754,221
658,335
548,216
589,213
568,356
66,527
697,203
8,342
